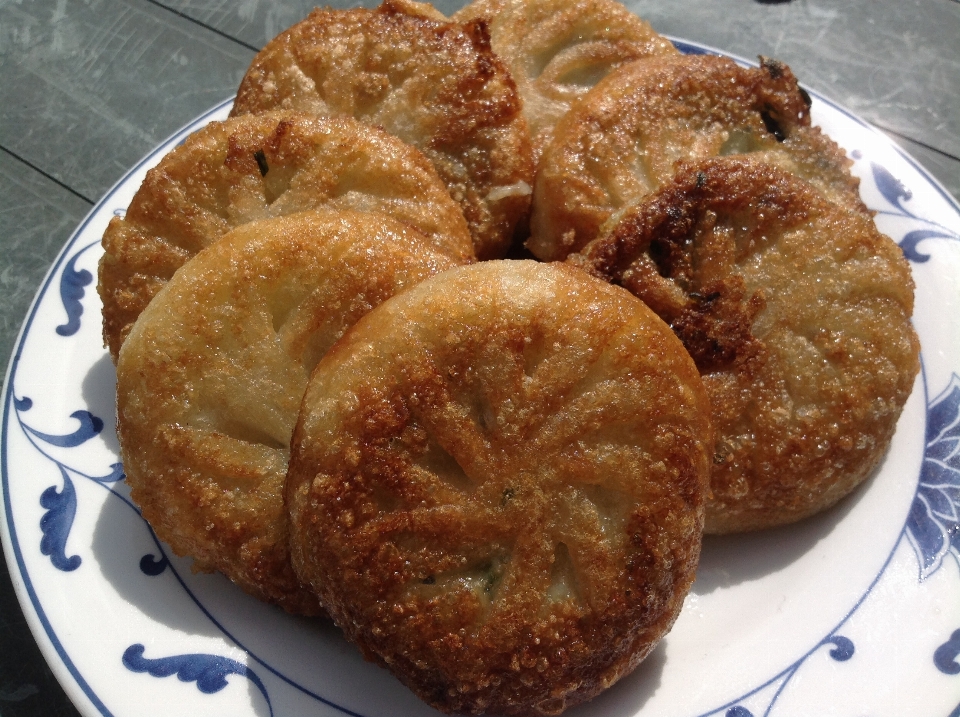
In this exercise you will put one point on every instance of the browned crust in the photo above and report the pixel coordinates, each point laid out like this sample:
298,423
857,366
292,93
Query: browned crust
624,138
215,181
210,379
558,49
797,312
434,84
496,485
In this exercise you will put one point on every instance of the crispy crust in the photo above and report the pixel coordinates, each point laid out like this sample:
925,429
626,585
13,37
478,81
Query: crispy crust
558,49
496,485
210,380
434,84
624,138
255,167
797,312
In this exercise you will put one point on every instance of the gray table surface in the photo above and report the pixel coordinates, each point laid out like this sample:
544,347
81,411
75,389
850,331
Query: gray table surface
87,88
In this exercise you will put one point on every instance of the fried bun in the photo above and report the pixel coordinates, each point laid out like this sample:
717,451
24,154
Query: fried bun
256,167
558,49
210,379
496,485
797,313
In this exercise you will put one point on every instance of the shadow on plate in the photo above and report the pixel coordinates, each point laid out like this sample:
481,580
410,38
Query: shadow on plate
130,561
99,393
728,560
123,545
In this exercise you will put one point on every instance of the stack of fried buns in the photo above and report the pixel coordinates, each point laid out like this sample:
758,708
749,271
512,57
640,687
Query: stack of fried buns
462,331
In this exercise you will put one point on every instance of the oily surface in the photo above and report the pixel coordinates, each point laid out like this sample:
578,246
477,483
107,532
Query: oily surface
797,312
210,380
432,83
625,137
256,167
496,485
557,50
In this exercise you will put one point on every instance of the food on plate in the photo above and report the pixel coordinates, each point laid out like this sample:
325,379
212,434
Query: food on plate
210,378
623,139
433,83
495,476
496,485
796,310
255,167
558,49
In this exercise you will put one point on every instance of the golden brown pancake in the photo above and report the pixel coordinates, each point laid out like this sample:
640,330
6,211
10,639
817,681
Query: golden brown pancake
797,313
255,167
210,380
434,84
558,49
624,138
496,485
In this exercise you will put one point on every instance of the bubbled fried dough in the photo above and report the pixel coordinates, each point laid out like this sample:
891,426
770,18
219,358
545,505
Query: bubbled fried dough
255,167
496,485
210,380
434,84
558,49
797,313
625,137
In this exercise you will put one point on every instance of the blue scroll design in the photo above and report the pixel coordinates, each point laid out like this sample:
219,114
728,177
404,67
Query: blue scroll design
209,672
153,566
933,525
842,647
72,283
767,695
897,196
90,426
56,523
61,503
945,656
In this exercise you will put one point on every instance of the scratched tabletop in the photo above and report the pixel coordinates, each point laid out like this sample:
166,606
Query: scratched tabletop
88,87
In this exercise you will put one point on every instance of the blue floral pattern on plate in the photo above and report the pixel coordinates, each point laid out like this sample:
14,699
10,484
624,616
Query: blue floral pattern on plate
61,505
72,283
933,526
208,671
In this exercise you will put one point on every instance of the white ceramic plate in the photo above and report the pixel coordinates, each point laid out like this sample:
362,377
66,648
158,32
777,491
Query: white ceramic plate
855,612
